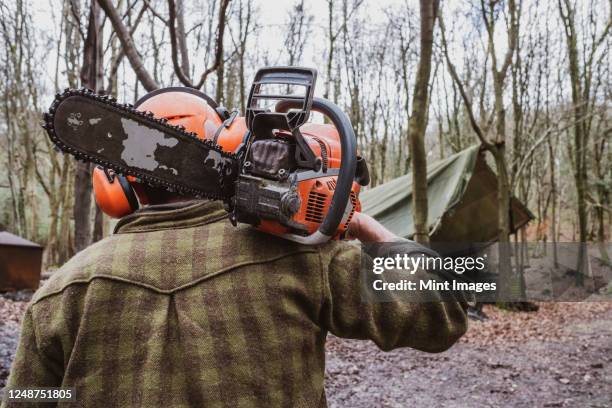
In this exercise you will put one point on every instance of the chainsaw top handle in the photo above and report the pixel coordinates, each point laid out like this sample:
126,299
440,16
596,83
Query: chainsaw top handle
346,175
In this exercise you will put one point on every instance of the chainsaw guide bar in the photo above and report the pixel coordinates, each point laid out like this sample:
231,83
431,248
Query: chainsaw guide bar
95,128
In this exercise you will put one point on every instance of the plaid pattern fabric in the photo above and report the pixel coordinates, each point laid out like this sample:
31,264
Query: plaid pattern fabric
181,309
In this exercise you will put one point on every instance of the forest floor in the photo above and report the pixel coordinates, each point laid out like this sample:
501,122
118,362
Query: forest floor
559,356
12,308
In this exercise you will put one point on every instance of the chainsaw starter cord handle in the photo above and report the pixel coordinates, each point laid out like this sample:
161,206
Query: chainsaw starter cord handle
348,166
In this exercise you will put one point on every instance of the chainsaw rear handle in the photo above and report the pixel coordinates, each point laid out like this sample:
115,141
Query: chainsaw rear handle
346,174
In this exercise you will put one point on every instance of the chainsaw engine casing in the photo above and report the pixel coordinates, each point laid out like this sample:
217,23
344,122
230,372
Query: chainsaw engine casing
279,197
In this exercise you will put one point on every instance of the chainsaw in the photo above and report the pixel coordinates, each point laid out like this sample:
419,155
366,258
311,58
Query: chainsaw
271,168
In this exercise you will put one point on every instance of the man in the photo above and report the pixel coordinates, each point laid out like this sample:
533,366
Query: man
178,308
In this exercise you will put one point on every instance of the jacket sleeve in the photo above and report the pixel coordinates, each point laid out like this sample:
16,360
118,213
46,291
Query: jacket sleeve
32,367
429,325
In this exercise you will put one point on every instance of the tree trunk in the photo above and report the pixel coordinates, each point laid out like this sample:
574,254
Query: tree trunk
245,17
509,284
330,50
603,197
66,244
182,38
553,191
82,206
220,78
418,122
579,148
98,231
91,73
219,50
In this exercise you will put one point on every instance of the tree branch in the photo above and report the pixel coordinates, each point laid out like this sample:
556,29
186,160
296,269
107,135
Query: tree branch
551,130
77,18
180,73
117,61
466,100
219,43
128,45
155,13
512,38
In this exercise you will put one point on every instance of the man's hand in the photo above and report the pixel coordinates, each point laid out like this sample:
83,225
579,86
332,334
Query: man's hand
367,229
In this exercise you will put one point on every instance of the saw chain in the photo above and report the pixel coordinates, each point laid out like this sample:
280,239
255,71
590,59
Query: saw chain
95,128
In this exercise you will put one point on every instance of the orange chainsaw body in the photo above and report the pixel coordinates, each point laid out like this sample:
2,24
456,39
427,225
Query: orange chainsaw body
315,194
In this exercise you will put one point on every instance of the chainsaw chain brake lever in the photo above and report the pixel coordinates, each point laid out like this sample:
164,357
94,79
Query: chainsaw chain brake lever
267,80
262,122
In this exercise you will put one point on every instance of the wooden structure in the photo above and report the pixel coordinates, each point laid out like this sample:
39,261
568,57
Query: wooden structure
20,263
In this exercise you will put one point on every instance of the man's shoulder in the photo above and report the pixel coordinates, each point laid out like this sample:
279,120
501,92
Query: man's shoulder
81,268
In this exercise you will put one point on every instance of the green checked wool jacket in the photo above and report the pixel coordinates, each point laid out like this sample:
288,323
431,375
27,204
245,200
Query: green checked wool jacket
180,309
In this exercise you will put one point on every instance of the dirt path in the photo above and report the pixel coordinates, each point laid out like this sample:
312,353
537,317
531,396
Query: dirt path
560,356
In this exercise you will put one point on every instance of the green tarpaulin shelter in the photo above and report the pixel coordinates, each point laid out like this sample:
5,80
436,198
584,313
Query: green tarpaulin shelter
462,198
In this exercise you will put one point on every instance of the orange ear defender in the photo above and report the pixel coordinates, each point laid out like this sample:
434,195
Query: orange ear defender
114,194
117,195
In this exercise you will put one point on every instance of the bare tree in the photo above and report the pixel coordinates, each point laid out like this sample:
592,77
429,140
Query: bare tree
404,30
17,113
581,81
91,77
496,143
418,122
332,36
298,32
247,24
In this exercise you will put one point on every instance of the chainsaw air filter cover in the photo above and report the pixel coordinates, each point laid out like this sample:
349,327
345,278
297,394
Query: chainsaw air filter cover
273,158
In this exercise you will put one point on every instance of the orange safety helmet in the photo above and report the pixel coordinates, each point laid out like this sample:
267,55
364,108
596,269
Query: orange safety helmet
117,195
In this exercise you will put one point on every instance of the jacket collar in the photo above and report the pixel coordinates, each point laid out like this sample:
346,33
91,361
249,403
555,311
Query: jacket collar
184,214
